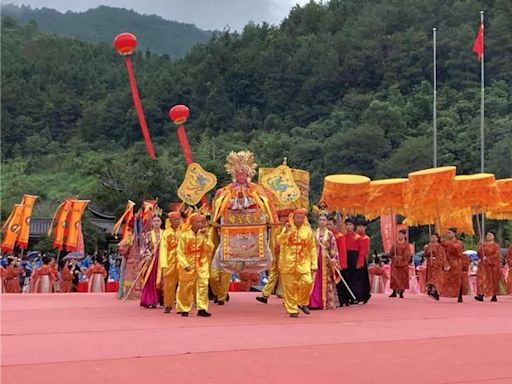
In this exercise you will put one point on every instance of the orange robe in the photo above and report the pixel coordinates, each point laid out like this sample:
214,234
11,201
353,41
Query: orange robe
436,260
400,255
509,277
12,283
66,280
488,277
465,262
452,277
43,278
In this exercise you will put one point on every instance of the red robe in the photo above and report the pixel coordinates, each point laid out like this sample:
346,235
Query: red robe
364,250
66,280
452,277
342,248
400,265
12,283
436,261
488,277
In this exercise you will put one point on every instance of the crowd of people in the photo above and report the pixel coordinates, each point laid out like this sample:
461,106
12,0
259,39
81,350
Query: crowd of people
324,268
43,274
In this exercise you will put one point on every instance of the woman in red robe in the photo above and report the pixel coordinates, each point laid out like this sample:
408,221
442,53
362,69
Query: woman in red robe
376,273
488,276
435,257
96,275
43,277
400,255
453,248
66,279
11,280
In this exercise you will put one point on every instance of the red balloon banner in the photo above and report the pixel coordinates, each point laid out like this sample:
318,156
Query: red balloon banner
125,44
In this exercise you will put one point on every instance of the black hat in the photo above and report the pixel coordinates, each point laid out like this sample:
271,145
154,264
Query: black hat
349,220
404,231
453,229
493,233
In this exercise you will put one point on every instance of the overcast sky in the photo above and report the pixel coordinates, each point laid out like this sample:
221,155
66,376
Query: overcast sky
206,14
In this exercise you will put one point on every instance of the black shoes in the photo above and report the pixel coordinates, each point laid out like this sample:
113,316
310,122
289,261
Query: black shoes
494,298
184,314
305,309
434,295
167,310
220,302
401,294
479,298
294,315
393,294
203,313
262,299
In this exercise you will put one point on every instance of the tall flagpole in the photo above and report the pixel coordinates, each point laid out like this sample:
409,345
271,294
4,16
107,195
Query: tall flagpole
434,109
482,131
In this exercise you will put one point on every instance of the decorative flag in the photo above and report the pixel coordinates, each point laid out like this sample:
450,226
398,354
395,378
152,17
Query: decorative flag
75,224
13,226
282,185
61,218
196,184
478,45
28,203
125,218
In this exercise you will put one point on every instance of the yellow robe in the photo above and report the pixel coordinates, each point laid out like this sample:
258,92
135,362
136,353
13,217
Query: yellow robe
169,264
194,251
296,261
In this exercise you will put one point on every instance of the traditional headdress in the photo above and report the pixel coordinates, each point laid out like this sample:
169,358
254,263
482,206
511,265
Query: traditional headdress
196,217
241,161
174,215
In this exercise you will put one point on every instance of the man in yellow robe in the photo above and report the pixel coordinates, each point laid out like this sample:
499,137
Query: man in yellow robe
297,262
193,254
168,262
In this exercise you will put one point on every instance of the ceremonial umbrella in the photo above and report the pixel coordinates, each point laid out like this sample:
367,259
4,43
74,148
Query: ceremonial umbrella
346,193
502,209
428,194
386,197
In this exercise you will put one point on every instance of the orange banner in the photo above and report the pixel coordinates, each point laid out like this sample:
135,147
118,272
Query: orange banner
62,222
75,224
13,226
125,218
28,203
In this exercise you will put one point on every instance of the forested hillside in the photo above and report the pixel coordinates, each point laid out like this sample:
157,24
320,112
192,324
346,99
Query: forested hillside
339,87
103,23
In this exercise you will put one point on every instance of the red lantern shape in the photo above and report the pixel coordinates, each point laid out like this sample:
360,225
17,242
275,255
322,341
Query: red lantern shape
179,114
125,44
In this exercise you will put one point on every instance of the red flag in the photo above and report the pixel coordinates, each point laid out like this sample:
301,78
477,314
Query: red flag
478,45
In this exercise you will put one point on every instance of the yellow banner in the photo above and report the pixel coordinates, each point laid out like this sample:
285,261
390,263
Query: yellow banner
282,185
196,184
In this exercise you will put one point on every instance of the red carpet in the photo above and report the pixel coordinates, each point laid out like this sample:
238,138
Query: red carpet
93,338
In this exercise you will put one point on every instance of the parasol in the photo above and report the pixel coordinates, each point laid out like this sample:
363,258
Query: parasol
346,193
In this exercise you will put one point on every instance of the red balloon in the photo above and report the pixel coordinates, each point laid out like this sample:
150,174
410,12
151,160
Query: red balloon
125,43
179,114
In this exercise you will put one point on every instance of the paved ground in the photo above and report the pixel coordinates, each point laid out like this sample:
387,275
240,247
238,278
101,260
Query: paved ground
93,338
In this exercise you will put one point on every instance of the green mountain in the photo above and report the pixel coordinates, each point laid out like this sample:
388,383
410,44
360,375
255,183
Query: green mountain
338,87
102,24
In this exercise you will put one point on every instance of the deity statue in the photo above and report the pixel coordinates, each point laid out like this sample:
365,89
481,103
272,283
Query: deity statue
244,213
